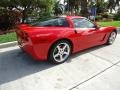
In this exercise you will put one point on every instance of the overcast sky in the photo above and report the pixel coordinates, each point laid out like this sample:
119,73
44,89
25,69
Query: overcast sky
62,1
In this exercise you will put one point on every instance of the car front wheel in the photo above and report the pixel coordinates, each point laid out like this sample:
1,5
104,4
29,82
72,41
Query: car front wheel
60,52
111,38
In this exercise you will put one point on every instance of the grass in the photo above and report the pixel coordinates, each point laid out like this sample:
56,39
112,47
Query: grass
9,37
110,23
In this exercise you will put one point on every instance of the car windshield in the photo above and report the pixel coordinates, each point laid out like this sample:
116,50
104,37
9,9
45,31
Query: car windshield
58,22
82,23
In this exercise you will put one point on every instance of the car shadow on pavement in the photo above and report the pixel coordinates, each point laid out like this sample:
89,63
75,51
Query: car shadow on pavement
15,64
118,31
85,51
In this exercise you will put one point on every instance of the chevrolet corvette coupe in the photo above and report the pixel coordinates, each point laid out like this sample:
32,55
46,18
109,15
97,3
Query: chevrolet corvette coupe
57,38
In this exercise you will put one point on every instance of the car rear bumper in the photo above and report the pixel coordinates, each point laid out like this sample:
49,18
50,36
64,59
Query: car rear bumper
38,51
34,47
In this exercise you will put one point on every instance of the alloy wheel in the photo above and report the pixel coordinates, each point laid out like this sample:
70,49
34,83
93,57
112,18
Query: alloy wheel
61,52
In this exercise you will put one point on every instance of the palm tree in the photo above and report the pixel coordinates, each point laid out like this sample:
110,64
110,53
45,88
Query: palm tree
58,8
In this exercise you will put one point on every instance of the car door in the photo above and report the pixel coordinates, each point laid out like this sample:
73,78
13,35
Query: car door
88,34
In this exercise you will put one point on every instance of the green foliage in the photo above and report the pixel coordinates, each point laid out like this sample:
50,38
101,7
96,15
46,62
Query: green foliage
73,6
110,16
104,15
112,4
98,17
58,8
25,6
8,18
117,16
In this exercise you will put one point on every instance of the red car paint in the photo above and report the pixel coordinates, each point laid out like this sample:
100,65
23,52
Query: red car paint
37,41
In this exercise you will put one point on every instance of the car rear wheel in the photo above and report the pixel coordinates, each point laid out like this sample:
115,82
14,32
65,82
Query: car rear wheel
60,52
111,38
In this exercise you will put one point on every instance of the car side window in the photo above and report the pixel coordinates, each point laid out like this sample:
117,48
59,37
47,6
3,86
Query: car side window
63,22
82,23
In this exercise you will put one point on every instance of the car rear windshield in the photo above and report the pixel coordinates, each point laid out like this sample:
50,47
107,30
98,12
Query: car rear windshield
58,22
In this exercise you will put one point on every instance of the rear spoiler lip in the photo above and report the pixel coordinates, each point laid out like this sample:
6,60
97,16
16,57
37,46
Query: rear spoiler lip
23,27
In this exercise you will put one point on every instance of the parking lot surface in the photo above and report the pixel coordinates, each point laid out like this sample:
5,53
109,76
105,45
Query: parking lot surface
96,68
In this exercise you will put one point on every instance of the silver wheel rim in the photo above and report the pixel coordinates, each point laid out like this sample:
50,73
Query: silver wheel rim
61,52
112,37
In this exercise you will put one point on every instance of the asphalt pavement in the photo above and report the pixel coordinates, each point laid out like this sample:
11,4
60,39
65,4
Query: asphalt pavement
96,68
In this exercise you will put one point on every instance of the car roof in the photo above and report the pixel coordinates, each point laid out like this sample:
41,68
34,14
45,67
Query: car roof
71,17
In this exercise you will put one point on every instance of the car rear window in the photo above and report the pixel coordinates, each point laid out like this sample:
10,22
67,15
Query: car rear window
58,22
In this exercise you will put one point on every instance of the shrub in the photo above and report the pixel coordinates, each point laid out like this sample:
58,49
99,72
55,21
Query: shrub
104,15
98,17
117,16
8,19
110,16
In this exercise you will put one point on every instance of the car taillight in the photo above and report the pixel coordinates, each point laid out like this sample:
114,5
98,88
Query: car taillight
25,35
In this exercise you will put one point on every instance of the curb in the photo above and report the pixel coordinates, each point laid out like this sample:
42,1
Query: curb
118,29
9,44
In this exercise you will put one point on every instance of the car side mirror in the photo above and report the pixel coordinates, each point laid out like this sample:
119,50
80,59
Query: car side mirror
96,26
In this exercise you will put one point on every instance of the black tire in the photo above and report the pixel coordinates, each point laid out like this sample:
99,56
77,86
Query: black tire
51,57
109,42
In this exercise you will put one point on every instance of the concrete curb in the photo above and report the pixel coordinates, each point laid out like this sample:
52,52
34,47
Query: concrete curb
9,44
118,29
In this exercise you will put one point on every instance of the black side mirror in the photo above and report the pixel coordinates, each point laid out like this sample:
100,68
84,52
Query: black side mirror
95,26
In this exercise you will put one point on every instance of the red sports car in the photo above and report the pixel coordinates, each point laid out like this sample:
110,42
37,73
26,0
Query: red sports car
57,38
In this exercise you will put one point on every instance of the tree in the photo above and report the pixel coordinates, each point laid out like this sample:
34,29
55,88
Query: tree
112,4
101,5
78,7
84,9
73,6
58,8
24,6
